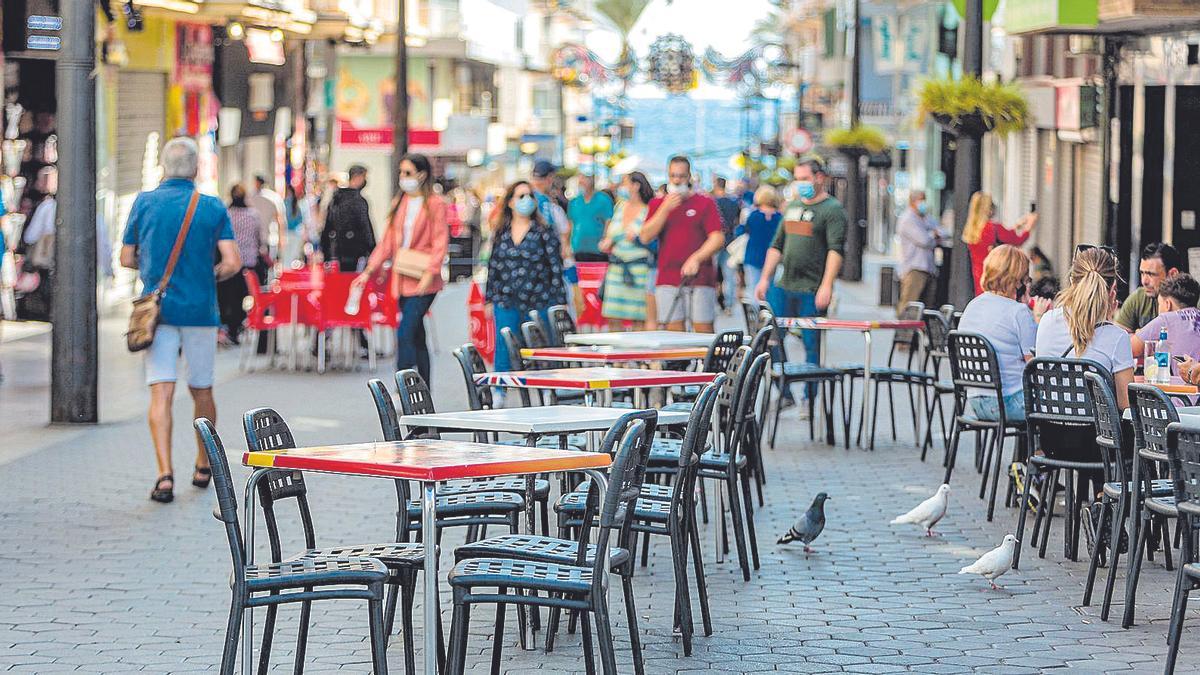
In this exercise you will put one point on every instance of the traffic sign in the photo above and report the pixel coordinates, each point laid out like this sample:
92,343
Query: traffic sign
800,141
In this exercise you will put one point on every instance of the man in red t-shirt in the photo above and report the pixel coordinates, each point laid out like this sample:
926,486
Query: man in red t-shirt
687,226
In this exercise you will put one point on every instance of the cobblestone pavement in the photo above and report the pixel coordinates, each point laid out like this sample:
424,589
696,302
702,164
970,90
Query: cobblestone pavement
98,579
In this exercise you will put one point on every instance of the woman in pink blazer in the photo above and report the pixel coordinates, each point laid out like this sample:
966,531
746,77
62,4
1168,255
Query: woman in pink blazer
416,229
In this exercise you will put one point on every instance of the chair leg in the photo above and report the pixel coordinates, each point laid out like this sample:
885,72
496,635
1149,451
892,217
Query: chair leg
735,513
264,655
1048,518
891,412
389,608
683,606
459,626
1177,616
952,450
604,636
1095,557
775,420
233,631
635,638
989,452
378,637
498,639
996,473
589,655
302,636
1140,542
408,593
748,501
1023,507
1114,551
701,581
1166,539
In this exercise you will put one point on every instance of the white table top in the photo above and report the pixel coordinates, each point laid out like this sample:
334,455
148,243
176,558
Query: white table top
551,419
642,339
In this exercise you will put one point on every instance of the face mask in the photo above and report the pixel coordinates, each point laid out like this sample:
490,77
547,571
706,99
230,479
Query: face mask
681,190
410,185
805,189
922,208
623,193
526,206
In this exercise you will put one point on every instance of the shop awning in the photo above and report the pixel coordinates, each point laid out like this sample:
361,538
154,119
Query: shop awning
1050,16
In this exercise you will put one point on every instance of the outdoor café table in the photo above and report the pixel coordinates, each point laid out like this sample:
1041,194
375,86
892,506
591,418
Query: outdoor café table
428,462
609,355
643,339
593,379
547,420
864,327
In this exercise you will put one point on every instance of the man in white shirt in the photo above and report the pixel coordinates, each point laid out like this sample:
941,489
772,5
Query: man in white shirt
270,209
919,235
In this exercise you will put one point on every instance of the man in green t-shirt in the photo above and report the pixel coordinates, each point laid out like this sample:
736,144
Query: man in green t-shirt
1159,262
809,244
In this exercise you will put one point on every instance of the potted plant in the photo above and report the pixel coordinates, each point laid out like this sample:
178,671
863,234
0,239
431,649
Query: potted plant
974,107
857,141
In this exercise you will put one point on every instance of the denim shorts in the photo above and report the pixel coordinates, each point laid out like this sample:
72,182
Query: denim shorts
197,345
986,408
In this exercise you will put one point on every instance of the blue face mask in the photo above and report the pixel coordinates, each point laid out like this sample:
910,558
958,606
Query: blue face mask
922,208
805,189
623,192
526,206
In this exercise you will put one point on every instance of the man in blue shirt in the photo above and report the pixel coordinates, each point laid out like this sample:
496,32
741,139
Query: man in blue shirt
188,320
588,213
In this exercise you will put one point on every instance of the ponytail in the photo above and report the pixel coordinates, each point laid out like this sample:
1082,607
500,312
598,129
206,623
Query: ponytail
1086,301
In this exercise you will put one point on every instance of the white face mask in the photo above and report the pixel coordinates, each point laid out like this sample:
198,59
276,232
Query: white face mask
410,185
681,190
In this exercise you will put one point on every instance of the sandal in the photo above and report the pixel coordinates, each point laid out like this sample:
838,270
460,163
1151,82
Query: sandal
205,475
163,495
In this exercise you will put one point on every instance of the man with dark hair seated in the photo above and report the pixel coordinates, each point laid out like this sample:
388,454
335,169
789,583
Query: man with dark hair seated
1159,262
1177,297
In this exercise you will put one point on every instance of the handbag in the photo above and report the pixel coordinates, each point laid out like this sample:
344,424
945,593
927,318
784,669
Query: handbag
737,251
143,320
410,262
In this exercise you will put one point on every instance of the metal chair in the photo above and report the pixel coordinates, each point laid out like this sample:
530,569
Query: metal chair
819,380
937,352
302,580
534,337
670,512
512,343
1183,453
750,310
1058,402
716,360
266,430
544,327
577,586
459,503
1152,412
471,363
974,371
561,325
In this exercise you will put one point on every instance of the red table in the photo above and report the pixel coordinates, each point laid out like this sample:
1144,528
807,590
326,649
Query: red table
592,379
428,462
864,326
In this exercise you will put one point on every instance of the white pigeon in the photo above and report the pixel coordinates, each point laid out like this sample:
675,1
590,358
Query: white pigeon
995,562
929,512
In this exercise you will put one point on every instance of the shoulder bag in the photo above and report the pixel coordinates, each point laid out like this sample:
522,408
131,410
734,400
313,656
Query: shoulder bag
409,262
143,321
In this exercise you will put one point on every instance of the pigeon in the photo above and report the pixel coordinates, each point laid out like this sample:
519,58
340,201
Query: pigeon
809,526
995,562
929,512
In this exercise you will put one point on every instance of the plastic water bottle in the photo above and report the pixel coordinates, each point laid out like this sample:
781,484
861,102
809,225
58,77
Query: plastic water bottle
1162,355
353,300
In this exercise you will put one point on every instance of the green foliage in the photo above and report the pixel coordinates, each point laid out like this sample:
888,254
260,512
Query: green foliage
862,136
622,14
1002,107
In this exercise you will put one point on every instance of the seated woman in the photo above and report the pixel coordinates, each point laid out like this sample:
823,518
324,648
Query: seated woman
1002,315
1177,297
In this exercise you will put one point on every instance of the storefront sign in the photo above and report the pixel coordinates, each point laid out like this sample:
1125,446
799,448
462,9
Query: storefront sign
914,42
193,56
381,137
883,33
1029,16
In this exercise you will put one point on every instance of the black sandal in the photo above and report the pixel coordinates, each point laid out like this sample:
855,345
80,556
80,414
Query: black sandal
161,495
205,473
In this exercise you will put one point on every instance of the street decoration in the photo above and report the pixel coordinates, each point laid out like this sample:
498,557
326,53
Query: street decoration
671,64
970,106
858,140
577,66
746,73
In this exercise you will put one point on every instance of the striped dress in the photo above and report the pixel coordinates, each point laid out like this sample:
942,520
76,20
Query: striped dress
627,278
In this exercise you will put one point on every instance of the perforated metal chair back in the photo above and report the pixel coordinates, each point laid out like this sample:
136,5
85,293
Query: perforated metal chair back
414,394
536,318
266,430
695,441
1183,452
1056,390
910,339
761,342
562,324
775,342
1108,427
937,334
625,477
747,394
750,310
227,508
973,364
471,363
728,393
385,408
513,344
722,350
1152,412
534,337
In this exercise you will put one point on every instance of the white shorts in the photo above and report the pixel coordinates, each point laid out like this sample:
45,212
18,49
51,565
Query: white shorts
703,307
197,345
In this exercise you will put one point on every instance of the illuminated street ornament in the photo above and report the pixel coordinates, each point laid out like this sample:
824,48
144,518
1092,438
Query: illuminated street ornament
671,64
577,66
746,73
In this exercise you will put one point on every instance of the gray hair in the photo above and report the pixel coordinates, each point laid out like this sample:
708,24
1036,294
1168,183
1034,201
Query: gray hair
181,158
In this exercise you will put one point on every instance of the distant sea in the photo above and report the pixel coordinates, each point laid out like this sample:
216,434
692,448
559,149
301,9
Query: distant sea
709,131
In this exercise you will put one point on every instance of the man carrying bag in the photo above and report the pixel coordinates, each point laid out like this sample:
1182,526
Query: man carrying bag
172,237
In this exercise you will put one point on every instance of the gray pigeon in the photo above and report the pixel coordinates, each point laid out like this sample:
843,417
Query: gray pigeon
809,527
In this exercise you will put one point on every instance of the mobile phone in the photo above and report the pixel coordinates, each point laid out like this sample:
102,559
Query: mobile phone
1033,207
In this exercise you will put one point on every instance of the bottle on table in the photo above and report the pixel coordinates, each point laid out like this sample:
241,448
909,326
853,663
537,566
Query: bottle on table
1162,356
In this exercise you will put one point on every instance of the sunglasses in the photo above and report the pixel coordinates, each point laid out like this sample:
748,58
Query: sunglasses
1080,248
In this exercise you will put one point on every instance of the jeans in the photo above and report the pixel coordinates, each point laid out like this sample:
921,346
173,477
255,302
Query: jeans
802,304
986,408
412,347
774,293
507,317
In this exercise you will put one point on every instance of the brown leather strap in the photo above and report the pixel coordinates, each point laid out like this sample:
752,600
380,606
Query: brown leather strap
183,230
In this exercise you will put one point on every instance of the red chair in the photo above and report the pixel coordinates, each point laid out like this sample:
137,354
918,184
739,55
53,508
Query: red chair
332,314
258,320
591,276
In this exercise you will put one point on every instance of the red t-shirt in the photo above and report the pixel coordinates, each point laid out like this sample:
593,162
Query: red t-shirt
684,233
992,235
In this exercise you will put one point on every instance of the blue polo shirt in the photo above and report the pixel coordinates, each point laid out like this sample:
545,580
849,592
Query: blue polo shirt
588,220
154,221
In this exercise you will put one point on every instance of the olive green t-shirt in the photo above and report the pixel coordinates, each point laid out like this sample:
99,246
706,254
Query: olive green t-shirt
804,238
1137,310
